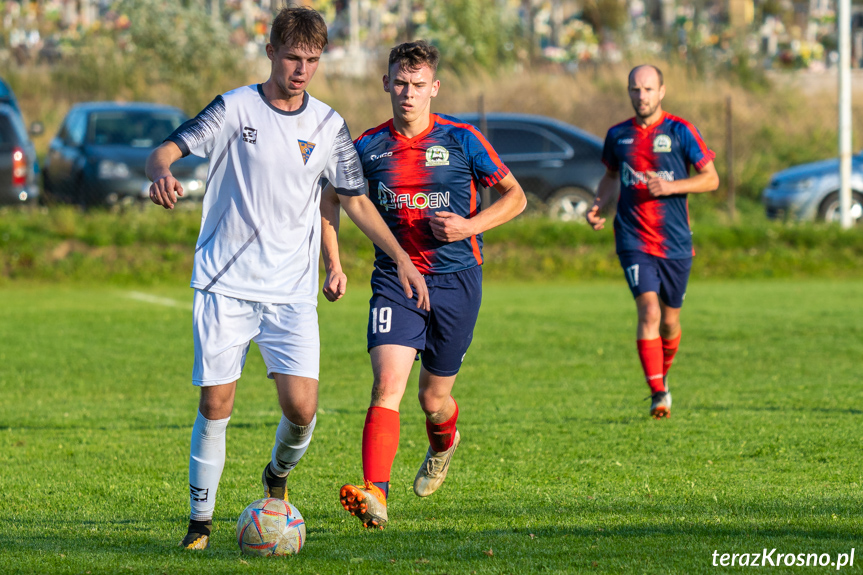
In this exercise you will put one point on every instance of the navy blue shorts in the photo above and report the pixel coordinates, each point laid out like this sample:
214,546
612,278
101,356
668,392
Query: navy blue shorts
440,336
645,273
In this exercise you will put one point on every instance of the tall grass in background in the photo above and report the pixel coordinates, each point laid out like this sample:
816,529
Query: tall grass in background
777,123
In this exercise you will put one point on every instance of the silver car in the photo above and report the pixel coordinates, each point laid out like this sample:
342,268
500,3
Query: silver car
811,192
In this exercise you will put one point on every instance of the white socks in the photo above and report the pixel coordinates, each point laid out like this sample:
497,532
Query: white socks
291,443
206,461
207,458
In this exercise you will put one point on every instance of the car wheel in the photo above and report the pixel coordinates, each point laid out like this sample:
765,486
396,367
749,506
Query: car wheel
830,211
570,205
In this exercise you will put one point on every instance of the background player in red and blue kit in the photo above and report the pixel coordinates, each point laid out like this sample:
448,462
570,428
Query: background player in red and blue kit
649,156
423,172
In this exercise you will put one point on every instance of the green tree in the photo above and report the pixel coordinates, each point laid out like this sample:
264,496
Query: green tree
154,43
473,33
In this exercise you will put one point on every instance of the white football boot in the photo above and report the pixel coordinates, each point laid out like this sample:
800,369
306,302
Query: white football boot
433,470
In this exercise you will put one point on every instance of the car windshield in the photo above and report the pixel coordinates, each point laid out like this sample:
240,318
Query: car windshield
138,129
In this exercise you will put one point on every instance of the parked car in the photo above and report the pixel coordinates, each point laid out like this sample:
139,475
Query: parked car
559,164
18,180
7,96
99,154
811,191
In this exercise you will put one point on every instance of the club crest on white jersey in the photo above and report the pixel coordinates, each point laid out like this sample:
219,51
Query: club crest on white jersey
306,149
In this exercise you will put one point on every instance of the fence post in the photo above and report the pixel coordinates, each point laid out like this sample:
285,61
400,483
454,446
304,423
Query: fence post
729,158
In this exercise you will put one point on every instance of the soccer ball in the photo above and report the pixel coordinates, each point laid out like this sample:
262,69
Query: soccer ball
271,527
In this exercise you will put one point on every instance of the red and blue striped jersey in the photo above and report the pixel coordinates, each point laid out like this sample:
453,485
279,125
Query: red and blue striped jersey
656,226
412,178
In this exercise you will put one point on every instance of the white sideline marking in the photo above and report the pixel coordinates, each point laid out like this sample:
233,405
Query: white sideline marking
167,302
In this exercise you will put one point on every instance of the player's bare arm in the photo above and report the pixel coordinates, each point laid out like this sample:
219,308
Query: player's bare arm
336,282
365,215
164,189
450,227
606,190
706,180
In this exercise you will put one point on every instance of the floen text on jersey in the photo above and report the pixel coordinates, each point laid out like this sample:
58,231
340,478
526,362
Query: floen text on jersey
666,149
410,179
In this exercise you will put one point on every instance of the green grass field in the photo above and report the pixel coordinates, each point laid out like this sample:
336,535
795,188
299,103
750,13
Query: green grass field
560,468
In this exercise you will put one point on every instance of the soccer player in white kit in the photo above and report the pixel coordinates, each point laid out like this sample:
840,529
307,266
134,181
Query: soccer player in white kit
256,260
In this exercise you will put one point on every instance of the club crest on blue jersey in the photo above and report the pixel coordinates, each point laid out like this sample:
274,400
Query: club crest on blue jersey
306,149
250,135
662,143
437,156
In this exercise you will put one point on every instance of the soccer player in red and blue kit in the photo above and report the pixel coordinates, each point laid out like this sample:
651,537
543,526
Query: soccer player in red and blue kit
424,172
649,157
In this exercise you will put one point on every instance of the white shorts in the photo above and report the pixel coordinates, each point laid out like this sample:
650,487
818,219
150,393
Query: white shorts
287,335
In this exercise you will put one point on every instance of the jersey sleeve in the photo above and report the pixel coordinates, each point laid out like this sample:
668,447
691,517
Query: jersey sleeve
344,170
609,158
485,163
198,135
694,149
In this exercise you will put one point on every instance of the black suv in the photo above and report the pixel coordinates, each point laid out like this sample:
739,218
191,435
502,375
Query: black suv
559,164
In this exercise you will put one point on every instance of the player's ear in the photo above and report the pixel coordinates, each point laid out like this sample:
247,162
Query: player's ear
271,52
435,88
661,92
386,80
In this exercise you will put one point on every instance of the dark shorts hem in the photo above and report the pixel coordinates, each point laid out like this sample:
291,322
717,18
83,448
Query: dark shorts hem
439,372
646,273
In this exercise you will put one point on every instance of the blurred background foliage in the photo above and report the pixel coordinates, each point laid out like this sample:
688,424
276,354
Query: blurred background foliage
568,60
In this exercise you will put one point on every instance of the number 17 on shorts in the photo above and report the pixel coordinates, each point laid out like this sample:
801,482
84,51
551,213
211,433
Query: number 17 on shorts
632,275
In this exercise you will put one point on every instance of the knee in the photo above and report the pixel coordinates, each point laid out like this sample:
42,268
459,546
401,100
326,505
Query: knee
432,402
301,415
214,407
649,314
669,328
388,386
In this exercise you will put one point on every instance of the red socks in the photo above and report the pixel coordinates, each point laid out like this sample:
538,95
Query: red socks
669,348
650,353
441,435
380,443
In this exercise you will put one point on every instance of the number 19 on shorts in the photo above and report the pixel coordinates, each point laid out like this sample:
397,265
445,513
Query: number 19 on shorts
382,319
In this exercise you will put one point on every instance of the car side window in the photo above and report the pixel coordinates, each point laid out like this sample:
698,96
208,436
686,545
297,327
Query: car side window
517,141
76,127
511,140
586,149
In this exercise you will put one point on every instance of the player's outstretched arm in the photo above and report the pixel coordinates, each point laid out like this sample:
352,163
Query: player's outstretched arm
450,227
706,180
606,190
336,282
364,213
164,189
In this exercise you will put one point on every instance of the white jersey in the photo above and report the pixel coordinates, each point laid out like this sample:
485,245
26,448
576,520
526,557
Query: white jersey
260,228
